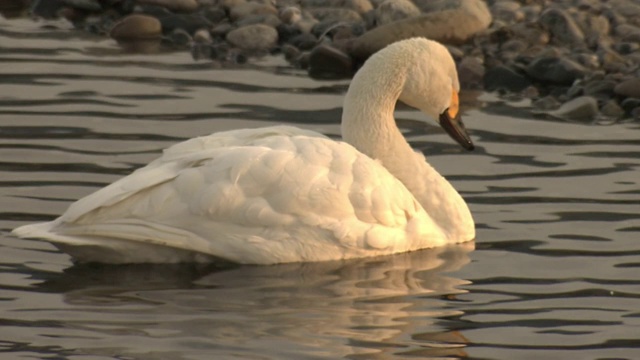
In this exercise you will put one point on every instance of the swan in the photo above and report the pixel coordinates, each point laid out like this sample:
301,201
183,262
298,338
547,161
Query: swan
282,194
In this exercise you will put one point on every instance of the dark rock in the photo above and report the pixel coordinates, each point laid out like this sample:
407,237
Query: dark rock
214,14
47,9
188,22
304,41
326,62
600,88
287,32
185,6
471,72
504,78
267,19
562,27
546,103
629,88
630,104
180,38
87,5
554,70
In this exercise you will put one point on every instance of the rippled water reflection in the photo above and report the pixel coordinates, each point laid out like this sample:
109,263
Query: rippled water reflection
554,274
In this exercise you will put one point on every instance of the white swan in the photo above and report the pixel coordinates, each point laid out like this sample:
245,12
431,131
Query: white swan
282,194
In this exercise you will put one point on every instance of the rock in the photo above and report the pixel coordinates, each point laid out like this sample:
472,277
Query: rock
87,5
326,62
507,11
180,37
602,89
554,70
256,37
202,36
630,104
471,72
612,109
359,6
243,10
562,27
214,14
304,41
187,22
47,9
173,5
393,10
546,103
335,15
290,15
583,108
136,27
504,78
267,19
629,88
448,26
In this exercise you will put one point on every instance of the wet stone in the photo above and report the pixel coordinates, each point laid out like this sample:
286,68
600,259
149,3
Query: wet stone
137,26
180,38
187,22
629,88
504,78
555,70
173,5
612,109
326,62
304,41
394,10
562,27
583,108
471,72
256,37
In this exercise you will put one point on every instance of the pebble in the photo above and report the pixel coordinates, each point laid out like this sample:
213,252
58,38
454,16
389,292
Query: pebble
555,70
583,108
137,27
392,10
326,62
562,27
612,109
243,10
471,72
503,78
257,37
173,5
629,88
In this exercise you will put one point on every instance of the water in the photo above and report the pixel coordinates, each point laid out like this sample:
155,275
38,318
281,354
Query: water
554,273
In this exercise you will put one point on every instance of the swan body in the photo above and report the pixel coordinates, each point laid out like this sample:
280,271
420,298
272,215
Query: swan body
282,194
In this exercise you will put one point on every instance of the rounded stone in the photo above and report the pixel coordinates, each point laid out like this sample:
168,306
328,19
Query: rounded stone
471,72
335,15
554,70
394,10
629,88
612,109
326,62
136,27
583,108
173,5
562,27
243,10
504,78
257,37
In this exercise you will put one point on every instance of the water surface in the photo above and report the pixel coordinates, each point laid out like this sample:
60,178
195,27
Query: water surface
554,272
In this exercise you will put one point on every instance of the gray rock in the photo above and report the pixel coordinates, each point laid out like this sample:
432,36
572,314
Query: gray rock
88,5
257,37
267,19
173,5
630,104
188,22
335,15
554,70
629,88
503,78
471,73
562,27
304,41
394,10
243,10
507,11
180,38
326,62
583,108
612,109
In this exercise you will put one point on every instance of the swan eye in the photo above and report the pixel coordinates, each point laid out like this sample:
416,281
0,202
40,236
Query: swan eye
453,106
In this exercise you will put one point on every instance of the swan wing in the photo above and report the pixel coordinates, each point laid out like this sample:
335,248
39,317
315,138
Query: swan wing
269,196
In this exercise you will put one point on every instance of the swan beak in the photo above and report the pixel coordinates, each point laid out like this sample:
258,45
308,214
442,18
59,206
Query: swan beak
454,126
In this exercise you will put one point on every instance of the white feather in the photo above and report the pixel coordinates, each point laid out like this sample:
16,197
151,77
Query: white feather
280,194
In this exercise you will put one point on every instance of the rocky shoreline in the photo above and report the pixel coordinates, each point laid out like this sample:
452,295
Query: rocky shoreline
575,59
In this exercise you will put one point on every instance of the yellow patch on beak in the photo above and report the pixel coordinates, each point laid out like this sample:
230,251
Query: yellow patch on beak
454,106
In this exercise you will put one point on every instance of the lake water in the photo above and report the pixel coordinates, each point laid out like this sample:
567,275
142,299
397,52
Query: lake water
555,273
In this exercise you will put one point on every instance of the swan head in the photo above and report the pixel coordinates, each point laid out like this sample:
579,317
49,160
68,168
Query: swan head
431,84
